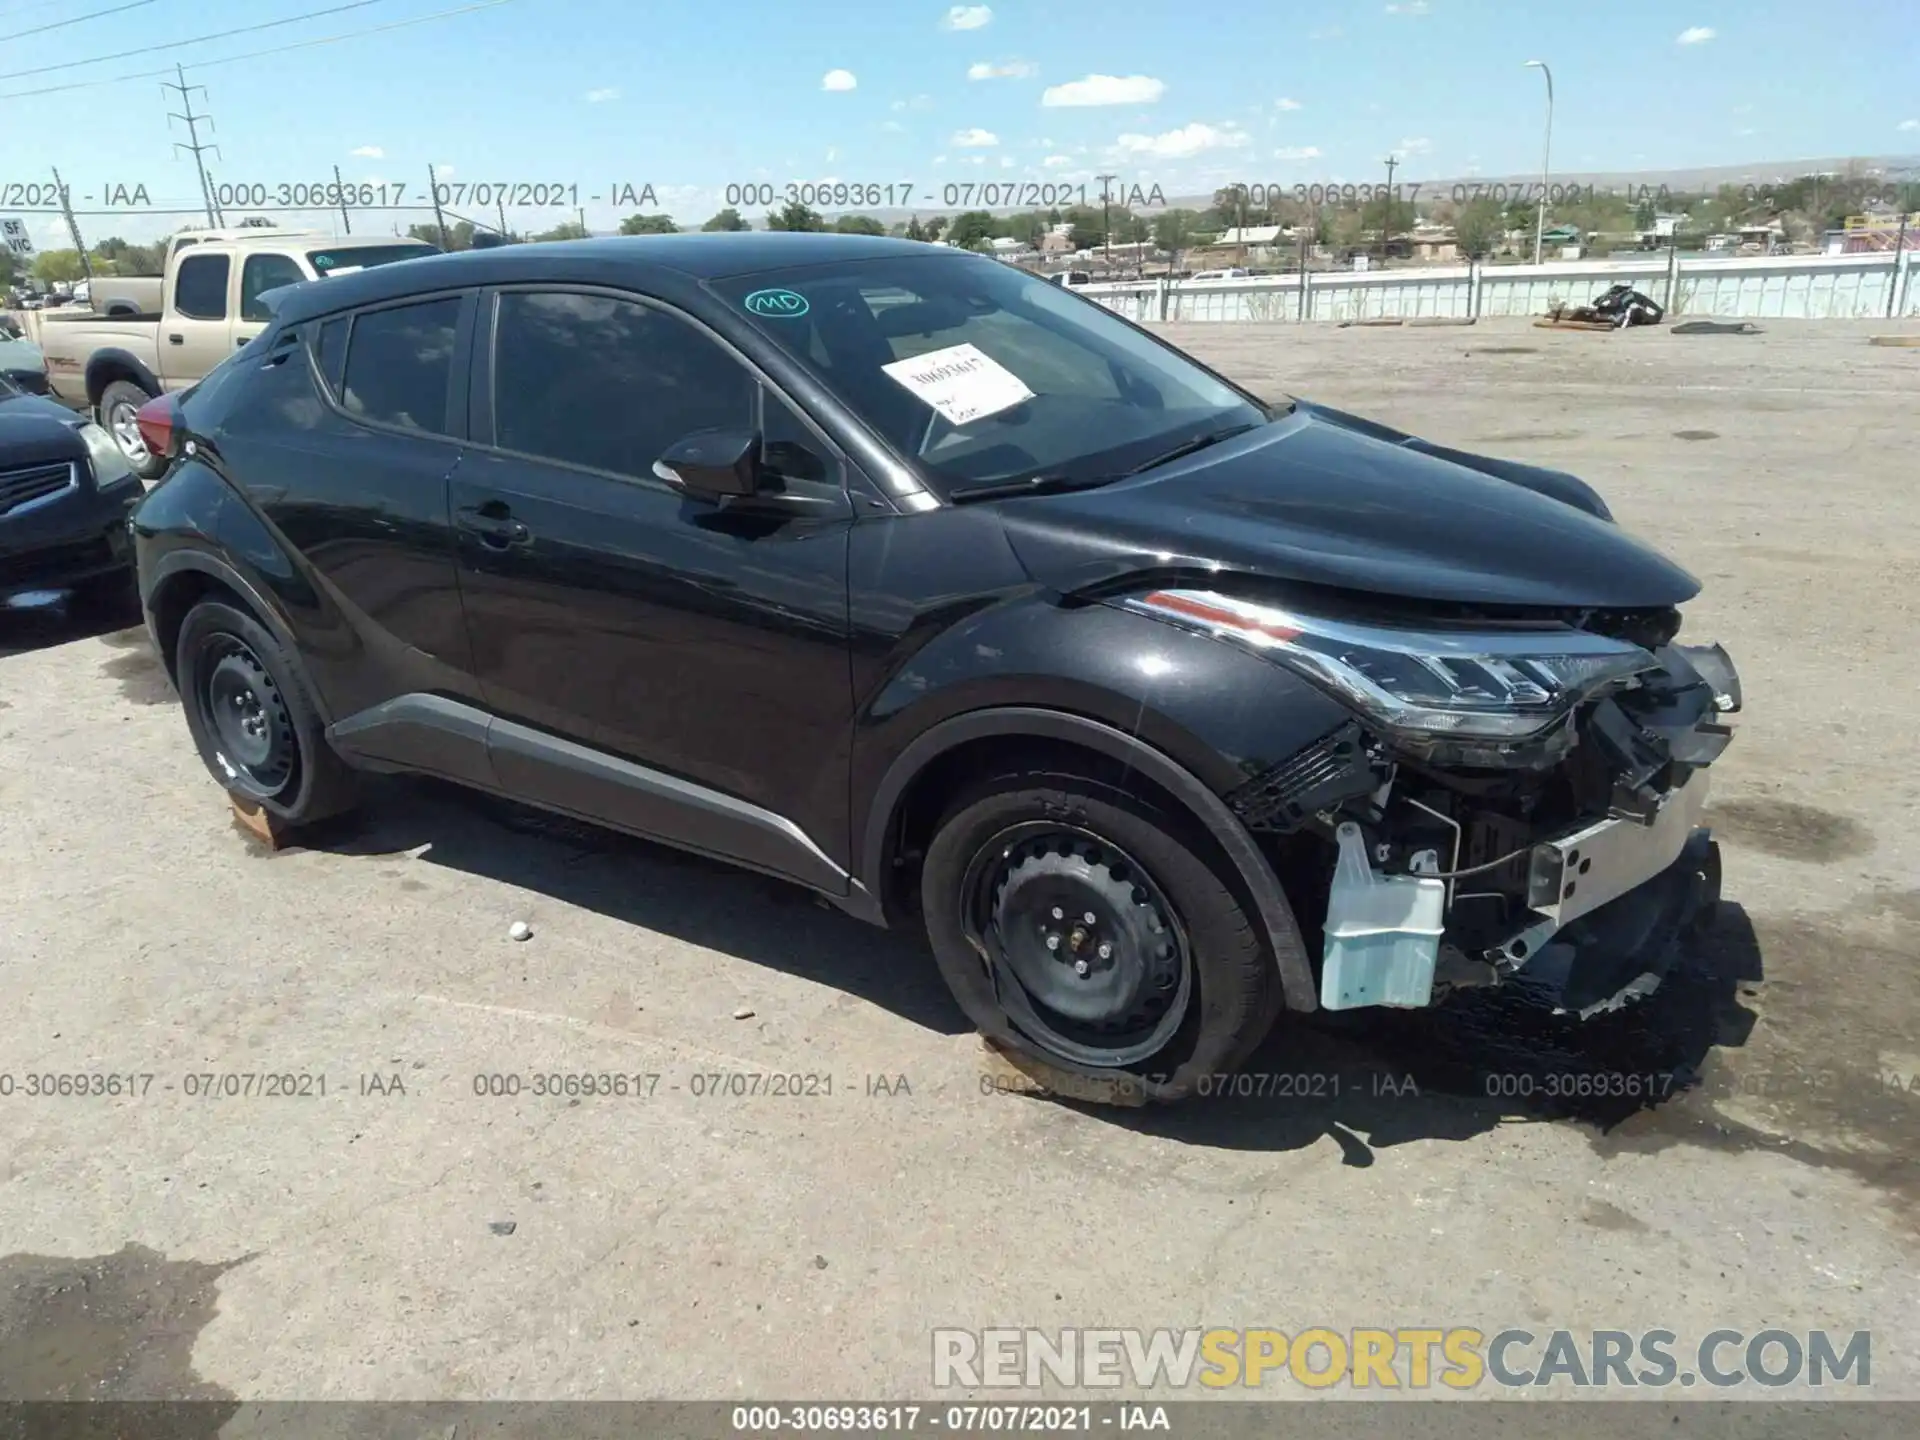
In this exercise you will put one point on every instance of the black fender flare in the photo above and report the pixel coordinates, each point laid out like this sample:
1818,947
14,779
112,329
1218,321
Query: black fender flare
1276,915
203,563
116,359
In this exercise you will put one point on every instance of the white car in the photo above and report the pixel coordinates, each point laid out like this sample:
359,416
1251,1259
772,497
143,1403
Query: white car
1219,275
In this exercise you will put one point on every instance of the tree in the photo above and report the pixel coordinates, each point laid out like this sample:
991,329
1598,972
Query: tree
1643,216
858,225
51,266
795,216
459,235
1478,228
1173,229
915,230
566,230
728,219
936,227
970,228
1387,216
649,225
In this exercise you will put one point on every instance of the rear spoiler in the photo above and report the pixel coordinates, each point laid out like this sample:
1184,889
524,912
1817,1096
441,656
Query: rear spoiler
273,299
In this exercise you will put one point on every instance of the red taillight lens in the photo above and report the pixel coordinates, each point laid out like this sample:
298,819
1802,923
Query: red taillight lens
156,421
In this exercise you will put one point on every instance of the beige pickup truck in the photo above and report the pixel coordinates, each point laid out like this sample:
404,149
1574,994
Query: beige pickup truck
209,307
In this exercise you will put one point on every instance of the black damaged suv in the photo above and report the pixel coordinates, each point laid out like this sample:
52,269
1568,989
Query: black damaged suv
926,584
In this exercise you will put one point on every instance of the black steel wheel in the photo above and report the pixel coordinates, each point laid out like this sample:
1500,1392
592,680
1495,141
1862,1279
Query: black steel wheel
253,718
1089,956
1096,931
243,710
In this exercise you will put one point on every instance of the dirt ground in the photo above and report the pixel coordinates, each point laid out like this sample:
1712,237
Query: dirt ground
403,1236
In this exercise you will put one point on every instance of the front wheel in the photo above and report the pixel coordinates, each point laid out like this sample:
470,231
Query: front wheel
1089,929
120,406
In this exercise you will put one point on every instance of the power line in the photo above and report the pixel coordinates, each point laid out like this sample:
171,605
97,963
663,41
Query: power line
258,54
62,24
196,40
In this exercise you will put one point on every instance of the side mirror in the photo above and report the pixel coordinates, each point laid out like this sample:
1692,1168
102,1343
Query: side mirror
724,464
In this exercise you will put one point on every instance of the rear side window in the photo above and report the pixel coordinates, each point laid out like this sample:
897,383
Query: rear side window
399,365
200,287
330,351
260,274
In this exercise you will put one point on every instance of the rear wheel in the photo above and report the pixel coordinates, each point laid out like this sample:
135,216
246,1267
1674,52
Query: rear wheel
1089,929
120,406
249,712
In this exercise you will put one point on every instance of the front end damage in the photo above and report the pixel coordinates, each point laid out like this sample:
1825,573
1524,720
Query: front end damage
1452,853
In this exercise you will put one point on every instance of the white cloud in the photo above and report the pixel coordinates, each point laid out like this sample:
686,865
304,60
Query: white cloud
966,17
441,172
1330,32
1006,162
832,155
371,152
1297,152
838,80
1748,130
1106,90
596,97
1010,70
1411,7
1283,103
1908,125
1414,145
1187,140
939,159
1054,162
892,127
1695,35
918,102
974,139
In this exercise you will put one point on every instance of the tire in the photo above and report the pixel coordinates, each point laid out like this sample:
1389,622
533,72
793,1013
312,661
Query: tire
118,403
1191,987
252,717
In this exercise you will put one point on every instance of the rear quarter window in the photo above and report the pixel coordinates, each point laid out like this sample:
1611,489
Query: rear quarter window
399,365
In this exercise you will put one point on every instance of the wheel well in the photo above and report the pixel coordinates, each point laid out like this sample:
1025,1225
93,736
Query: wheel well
178,594
930,793
105,374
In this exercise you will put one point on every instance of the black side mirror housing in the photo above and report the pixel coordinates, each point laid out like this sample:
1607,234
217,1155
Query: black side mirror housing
724,464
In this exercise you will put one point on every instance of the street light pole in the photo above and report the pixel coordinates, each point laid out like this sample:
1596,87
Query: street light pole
1546,161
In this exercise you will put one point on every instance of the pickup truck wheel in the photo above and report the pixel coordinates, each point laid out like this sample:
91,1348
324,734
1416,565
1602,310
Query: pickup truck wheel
248,709
1084,927
120,402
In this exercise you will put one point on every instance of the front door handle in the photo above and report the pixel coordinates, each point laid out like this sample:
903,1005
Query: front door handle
494,524
176,339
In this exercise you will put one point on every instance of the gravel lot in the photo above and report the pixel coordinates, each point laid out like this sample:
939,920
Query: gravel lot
404,1237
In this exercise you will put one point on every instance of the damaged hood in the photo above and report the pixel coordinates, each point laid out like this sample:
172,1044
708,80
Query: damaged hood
1327,499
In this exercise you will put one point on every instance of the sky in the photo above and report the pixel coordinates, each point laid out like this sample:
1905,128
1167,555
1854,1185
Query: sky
586,96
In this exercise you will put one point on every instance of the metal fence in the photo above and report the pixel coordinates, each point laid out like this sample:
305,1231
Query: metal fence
1779,287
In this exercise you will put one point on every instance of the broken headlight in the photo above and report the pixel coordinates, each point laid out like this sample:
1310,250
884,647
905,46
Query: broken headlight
1491,684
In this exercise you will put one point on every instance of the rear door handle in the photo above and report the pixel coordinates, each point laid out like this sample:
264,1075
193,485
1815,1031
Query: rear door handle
493,522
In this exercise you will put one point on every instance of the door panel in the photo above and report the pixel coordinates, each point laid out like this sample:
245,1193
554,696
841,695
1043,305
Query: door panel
612,610
196,333
364,505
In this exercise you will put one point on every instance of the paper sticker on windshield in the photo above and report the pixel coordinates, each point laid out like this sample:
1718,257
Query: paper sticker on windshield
960,382
776,304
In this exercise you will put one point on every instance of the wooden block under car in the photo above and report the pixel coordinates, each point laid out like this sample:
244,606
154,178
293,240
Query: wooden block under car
270,830
1017,1074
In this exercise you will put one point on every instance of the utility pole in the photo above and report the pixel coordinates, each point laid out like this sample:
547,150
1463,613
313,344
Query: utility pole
1546,160
1386,211
340,194
73,226
1106,217
185,92
585,234
502,204
439,218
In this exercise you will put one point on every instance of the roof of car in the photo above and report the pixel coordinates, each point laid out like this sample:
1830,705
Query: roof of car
699,256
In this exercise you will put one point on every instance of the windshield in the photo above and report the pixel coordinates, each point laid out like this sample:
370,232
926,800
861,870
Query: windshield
979,373
365,257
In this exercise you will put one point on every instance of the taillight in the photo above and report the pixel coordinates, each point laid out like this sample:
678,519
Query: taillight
157,420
